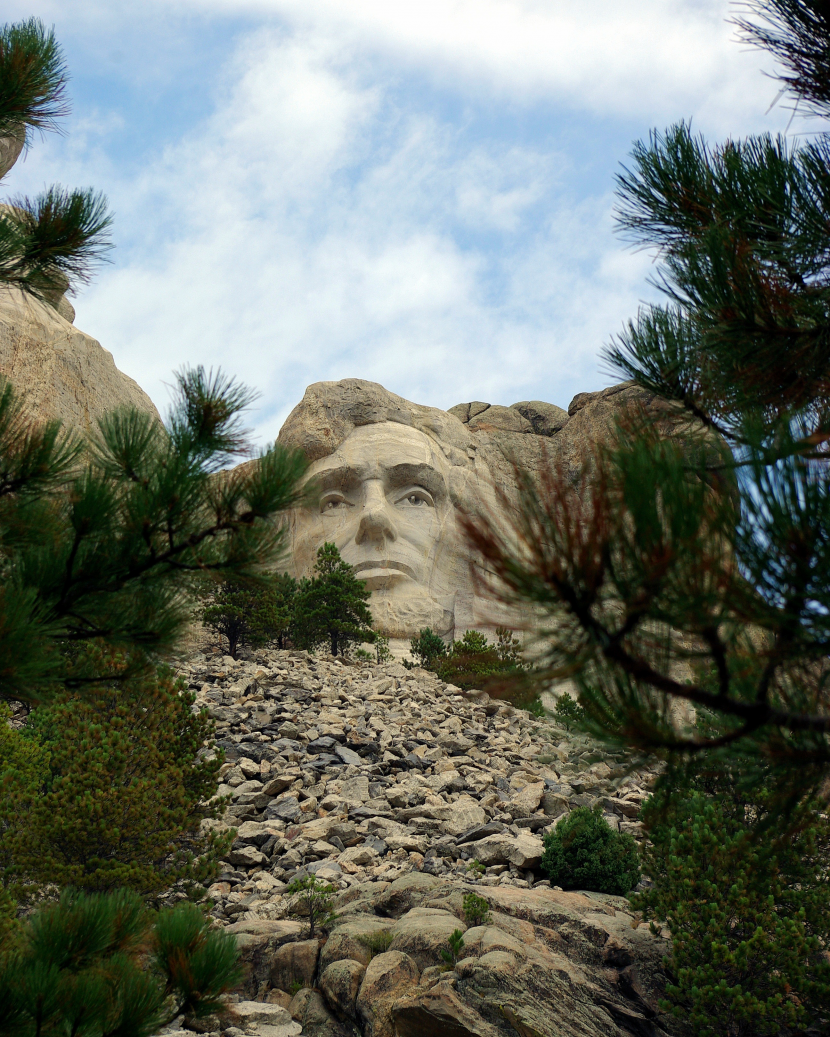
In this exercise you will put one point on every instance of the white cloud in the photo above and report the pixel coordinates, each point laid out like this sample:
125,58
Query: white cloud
648,58
330,218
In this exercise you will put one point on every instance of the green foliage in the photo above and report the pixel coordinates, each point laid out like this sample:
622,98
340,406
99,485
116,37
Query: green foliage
476,867
48,243
427,648
252,615
476,910
32,79
378,942
470,662
382,653
313,900
330,608
568,711
697,536
584,852
81,966
114,551
106,790
746,899
455,945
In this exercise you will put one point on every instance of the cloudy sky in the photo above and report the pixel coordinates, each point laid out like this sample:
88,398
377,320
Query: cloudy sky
417,192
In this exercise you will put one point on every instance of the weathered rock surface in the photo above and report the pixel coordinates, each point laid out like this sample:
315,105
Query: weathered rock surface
393,475
62,372
396,834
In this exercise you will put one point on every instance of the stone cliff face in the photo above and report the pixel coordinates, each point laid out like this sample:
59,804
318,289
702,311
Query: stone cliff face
62,372
394,475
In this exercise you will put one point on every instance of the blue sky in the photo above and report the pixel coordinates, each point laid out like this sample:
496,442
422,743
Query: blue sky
416,192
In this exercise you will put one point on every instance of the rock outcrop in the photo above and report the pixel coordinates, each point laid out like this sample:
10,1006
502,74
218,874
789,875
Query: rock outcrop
60,371
393,476
406,796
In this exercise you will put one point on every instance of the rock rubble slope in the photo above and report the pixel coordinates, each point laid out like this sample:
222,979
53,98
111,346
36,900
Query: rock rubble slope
406,796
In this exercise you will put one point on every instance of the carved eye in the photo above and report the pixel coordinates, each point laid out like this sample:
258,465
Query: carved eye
416,499
333,504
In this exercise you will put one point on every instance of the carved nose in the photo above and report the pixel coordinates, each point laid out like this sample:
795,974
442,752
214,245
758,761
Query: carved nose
376,524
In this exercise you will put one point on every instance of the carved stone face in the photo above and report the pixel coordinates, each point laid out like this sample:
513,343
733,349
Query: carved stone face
384,502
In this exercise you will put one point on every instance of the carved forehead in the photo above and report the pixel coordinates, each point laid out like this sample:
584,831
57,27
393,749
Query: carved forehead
374,450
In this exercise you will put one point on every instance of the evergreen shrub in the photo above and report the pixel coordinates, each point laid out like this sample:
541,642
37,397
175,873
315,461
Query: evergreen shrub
107,790
103,965
584,852
746,898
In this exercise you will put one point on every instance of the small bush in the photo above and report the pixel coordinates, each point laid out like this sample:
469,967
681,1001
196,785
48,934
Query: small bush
313,900
475,663
476,867
104,964
568,711
107,790
476,910
378,942
455,945
584,852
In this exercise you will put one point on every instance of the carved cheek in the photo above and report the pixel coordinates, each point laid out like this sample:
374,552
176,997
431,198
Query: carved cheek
416,527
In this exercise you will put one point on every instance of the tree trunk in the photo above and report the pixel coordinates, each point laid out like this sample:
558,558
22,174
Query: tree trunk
333,642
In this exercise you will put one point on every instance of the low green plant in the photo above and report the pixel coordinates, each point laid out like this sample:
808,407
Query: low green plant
746,899
103,964
568,711
313,899
377,942
455,945
426,648
382,653
473,663
251,615
584,852
294,987
476,910
106,790
362,655
476,867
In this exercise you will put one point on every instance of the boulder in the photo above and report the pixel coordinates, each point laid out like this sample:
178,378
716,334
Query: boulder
311,1012
269,1020
295,963
61,372
340,983
351,939
423,932
387,977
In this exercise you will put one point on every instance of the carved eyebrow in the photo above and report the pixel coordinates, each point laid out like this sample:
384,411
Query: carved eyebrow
420,475
397,475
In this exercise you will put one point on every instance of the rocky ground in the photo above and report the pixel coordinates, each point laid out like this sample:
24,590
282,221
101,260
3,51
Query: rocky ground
406,795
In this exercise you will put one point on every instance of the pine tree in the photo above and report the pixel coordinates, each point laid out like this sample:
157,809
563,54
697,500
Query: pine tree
746,901
695,566
252,615
331,606
49,243
109,543
107,790
102,965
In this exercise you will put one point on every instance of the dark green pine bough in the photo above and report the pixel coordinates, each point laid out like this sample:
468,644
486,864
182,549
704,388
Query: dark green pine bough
48,243
696,567
103,547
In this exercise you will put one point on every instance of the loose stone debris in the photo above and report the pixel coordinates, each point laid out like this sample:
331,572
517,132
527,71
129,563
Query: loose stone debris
404,794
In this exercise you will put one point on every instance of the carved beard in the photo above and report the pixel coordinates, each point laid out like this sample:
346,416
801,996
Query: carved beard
405,617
